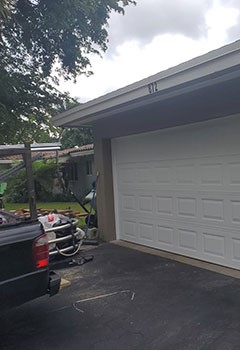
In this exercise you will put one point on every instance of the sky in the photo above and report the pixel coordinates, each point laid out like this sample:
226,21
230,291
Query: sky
155,35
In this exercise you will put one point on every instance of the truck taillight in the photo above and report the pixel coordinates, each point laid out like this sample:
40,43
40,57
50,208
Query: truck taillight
40,251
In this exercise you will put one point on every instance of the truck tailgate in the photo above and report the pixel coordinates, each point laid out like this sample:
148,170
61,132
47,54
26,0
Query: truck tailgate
21,278
16,253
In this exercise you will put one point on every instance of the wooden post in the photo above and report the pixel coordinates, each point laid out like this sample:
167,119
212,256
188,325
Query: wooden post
31,190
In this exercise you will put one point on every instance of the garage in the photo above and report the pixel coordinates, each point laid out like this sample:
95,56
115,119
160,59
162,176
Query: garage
167,149
179,190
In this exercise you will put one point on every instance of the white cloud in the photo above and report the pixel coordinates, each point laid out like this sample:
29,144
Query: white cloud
220,20
154,17
156,35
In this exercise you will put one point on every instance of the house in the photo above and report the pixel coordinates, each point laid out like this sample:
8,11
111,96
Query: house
77,168
168,152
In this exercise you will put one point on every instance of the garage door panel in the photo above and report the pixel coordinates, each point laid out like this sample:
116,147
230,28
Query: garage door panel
187,207
144,175
187,241
196,241
211,174
165,236
236,250
145,204
165,205
215,209
213,244
129,230
127,175
128,202
186,174
180,192
199,176
235,211
234,173
146,232
163,174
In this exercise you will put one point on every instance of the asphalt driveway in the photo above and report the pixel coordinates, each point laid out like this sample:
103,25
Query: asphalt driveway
126,299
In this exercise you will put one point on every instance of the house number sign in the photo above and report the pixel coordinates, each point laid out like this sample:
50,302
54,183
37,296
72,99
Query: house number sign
152,87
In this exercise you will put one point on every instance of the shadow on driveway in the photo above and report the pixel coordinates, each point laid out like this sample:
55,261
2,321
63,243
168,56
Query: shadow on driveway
126,299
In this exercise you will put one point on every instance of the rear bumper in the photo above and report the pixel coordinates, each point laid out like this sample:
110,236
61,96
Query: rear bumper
22,289
54,283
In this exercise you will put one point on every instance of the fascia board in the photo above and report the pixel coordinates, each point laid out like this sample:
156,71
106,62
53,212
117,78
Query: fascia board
141,102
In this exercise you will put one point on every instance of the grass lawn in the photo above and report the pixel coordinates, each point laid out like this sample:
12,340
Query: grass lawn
74,206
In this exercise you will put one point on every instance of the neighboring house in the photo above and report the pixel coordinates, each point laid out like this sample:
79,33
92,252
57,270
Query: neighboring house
168,152
79,171
76,164
77,168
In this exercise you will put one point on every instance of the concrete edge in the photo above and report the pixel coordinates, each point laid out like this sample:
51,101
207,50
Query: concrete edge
182,259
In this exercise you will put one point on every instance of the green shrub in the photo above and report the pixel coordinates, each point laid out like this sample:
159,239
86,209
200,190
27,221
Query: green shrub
44,173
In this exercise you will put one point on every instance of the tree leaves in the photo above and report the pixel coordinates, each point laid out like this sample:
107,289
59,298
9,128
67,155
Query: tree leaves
76,137
26,104
40,41
44,174
63,32
5,9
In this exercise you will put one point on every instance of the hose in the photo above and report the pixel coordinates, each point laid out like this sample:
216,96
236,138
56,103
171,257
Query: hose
69,254
75,251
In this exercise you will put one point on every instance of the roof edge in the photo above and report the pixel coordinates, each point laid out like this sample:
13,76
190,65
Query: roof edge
213,61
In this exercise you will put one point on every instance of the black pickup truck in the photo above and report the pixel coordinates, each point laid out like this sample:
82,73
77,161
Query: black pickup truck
24,262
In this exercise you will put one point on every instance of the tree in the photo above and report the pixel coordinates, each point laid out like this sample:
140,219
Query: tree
60,31
40,41
5,9
76,137
26,103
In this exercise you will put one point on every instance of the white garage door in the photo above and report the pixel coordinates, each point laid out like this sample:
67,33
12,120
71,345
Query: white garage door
179,190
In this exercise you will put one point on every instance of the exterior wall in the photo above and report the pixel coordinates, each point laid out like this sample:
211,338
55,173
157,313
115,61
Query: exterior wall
86,179
105,200
82,183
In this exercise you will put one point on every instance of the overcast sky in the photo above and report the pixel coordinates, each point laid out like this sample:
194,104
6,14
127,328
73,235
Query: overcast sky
156,35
